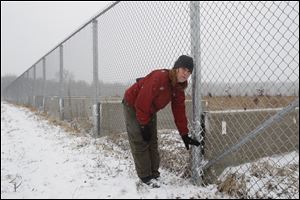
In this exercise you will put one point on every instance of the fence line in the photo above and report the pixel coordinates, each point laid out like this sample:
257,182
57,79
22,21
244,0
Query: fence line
246,58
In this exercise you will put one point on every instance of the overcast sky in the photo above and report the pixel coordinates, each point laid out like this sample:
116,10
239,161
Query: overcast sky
29,29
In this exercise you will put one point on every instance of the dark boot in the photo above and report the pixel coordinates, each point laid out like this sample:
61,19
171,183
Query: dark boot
149,180
146,179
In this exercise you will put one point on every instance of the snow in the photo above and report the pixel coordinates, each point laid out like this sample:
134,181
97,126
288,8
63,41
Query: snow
42,160
275,177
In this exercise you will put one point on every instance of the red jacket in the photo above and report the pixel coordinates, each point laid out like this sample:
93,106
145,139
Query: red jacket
153,93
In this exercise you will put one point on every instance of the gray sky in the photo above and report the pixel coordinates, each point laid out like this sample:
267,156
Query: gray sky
29,29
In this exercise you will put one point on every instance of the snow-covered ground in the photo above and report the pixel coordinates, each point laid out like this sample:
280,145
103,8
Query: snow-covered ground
41,160
275,177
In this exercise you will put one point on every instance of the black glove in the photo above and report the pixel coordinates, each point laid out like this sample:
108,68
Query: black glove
187,140
146,134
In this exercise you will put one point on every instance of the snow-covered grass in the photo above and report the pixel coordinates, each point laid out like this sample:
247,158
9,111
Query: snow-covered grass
267,178
42,160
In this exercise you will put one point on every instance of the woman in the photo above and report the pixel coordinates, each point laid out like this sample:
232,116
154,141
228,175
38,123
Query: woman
141,103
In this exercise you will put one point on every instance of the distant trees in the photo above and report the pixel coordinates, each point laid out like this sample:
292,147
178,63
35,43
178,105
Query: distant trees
73,86
6,81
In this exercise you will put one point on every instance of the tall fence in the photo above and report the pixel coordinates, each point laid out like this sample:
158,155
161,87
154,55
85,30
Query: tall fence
242,100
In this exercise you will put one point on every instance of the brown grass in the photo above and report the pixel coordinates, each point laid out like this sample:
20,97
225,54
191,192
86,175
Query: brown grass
233,186
66,126
246,102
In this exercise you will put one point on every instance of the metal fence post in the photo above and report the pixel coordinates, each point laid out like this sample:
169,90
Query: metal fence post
18,93
196,92
27,87
34,87
44,83
96,104
61,83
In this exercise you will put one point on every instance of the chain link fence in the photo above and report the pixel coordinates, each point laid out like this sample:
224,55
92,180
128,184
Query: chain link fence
250,75
242,100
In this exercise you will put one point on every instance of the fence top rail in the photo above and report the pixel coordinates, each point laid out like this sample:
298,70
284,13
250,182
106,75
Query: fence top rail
82,26
109,6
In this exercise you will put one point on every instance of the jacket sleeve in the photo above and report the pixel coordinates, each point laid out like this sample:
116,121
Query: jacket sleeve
143,104
178,109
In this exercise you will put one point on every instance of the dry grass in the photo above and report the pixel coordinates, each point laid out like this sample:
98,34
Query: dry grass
264,180
168,150
233,186
66,126
246,102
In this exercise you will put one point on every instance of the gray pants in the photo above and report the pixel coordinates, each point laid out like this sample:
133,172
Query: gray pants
145,154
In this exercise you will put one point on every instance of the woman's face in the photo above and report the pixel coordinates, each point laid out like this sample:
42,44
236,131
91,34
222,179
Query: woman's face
183,74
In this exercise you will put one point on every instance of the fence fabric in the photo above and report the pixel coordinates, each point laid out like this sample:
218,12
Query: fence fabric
246,57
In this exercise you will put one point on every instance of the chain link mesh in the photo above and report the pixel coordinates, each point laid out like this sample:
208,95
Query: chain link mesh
249,73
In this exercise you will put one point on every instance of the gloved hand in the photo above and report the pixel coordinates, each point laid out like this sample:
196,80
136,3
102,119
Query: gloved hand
187,140
146,134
